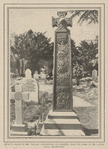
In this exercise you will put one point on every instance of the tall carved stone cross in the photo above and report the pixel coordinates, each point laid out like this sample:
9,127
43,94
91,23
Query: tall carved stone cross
62,120
62,89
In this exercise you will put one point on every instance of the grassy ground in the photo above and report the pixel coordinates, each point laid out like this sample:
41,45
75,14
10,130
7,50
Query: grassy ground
87,115
32,111
86,91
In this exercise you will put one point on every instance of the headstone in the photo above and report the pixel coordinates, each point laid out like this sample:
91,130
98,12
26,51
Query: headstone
19,128
30,86
36,75
28,73
94,75
42,75
62,120
18,104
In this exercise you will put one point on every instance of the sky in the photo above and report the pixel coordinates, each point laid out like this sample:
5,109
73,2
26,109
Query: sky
22,20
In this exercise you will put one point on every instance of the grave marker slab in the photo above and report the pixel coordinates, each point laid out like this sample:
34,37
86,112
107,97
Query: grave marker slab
36,75
94,75
28,73
42,75
30,86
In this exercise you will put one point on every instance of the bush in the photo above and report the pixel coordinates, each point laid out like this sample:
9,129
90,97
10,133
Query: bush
43,97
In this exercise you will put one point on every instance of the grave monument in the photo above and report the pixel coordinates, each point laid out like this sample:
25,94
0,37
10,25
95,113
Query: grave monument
36,75
30,86
94,75
62,120
19,128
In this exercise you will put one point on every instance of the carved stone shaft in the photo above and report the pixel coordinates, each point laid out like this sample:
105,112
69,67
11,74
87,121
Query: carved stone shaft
62,93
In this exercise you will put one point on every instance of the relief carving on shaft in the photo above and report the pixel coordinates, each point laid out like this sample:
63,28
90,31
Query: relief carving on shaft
62,89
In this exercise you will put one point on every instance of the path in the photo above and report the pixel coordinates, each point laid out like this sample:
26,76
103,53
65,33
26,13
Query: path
77,101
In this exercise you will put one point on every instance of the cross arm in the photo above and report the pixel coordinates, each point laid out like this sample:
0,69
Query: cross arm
25,96
69,21
54,21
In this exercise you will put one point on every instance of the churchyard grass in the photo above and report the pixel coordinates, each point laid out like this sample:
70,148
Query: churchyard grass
87,91
31,109
88,115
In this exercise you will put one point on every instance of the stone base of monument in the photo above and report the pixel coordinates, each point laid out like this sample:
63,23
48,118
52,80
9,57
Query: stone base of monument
19,130
62,124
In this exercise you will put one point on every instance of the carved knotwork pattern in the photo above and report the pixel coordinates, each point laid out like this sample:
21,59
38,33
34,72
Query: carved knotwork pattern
62,13
63,86
18,96
60,27
62,38
62,22
69,21
54,21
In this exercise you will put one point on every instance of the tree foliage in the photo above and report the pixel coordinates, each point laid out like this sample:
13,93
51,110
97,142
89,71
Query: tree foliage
91,16
88,52
33,47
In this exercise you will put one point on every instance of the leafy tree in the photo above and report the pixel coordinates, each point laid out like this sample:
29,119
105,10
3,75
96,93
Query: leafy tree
33,47
13,55
84,58
77,72
91,16
76,53
88,53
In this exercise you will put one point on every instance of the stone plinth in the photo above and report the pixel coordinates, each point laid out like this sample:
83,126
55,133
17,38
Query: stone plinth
19,127
62,123
19,130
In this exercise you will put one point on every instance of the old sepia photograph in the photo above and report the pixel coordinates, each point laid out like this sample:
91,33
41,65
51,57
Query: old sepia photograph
54,58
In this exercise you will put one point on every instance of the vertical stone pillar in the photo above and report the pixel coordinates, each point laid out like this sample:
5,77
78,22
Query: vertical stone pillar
18,105
62,89
62,120
18,128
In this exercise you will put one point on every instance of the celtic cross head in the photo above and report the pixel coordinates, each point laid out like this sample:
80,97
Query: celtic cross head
62,21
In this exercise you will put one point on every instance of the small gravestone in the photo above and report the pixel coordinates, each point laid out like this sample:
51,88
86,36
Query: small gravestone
36,75
28,73
94,75
42,75
30,86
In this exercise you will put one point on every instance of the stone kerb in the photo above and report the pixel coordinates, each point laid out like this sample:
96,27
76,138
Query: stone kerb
30,86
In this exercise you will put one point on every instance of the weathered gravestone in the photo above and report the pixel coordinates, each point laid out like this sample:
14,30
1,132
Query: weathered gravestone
19,128
62,120
42,78
36,75
42,75
30,86
28,73
94,75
